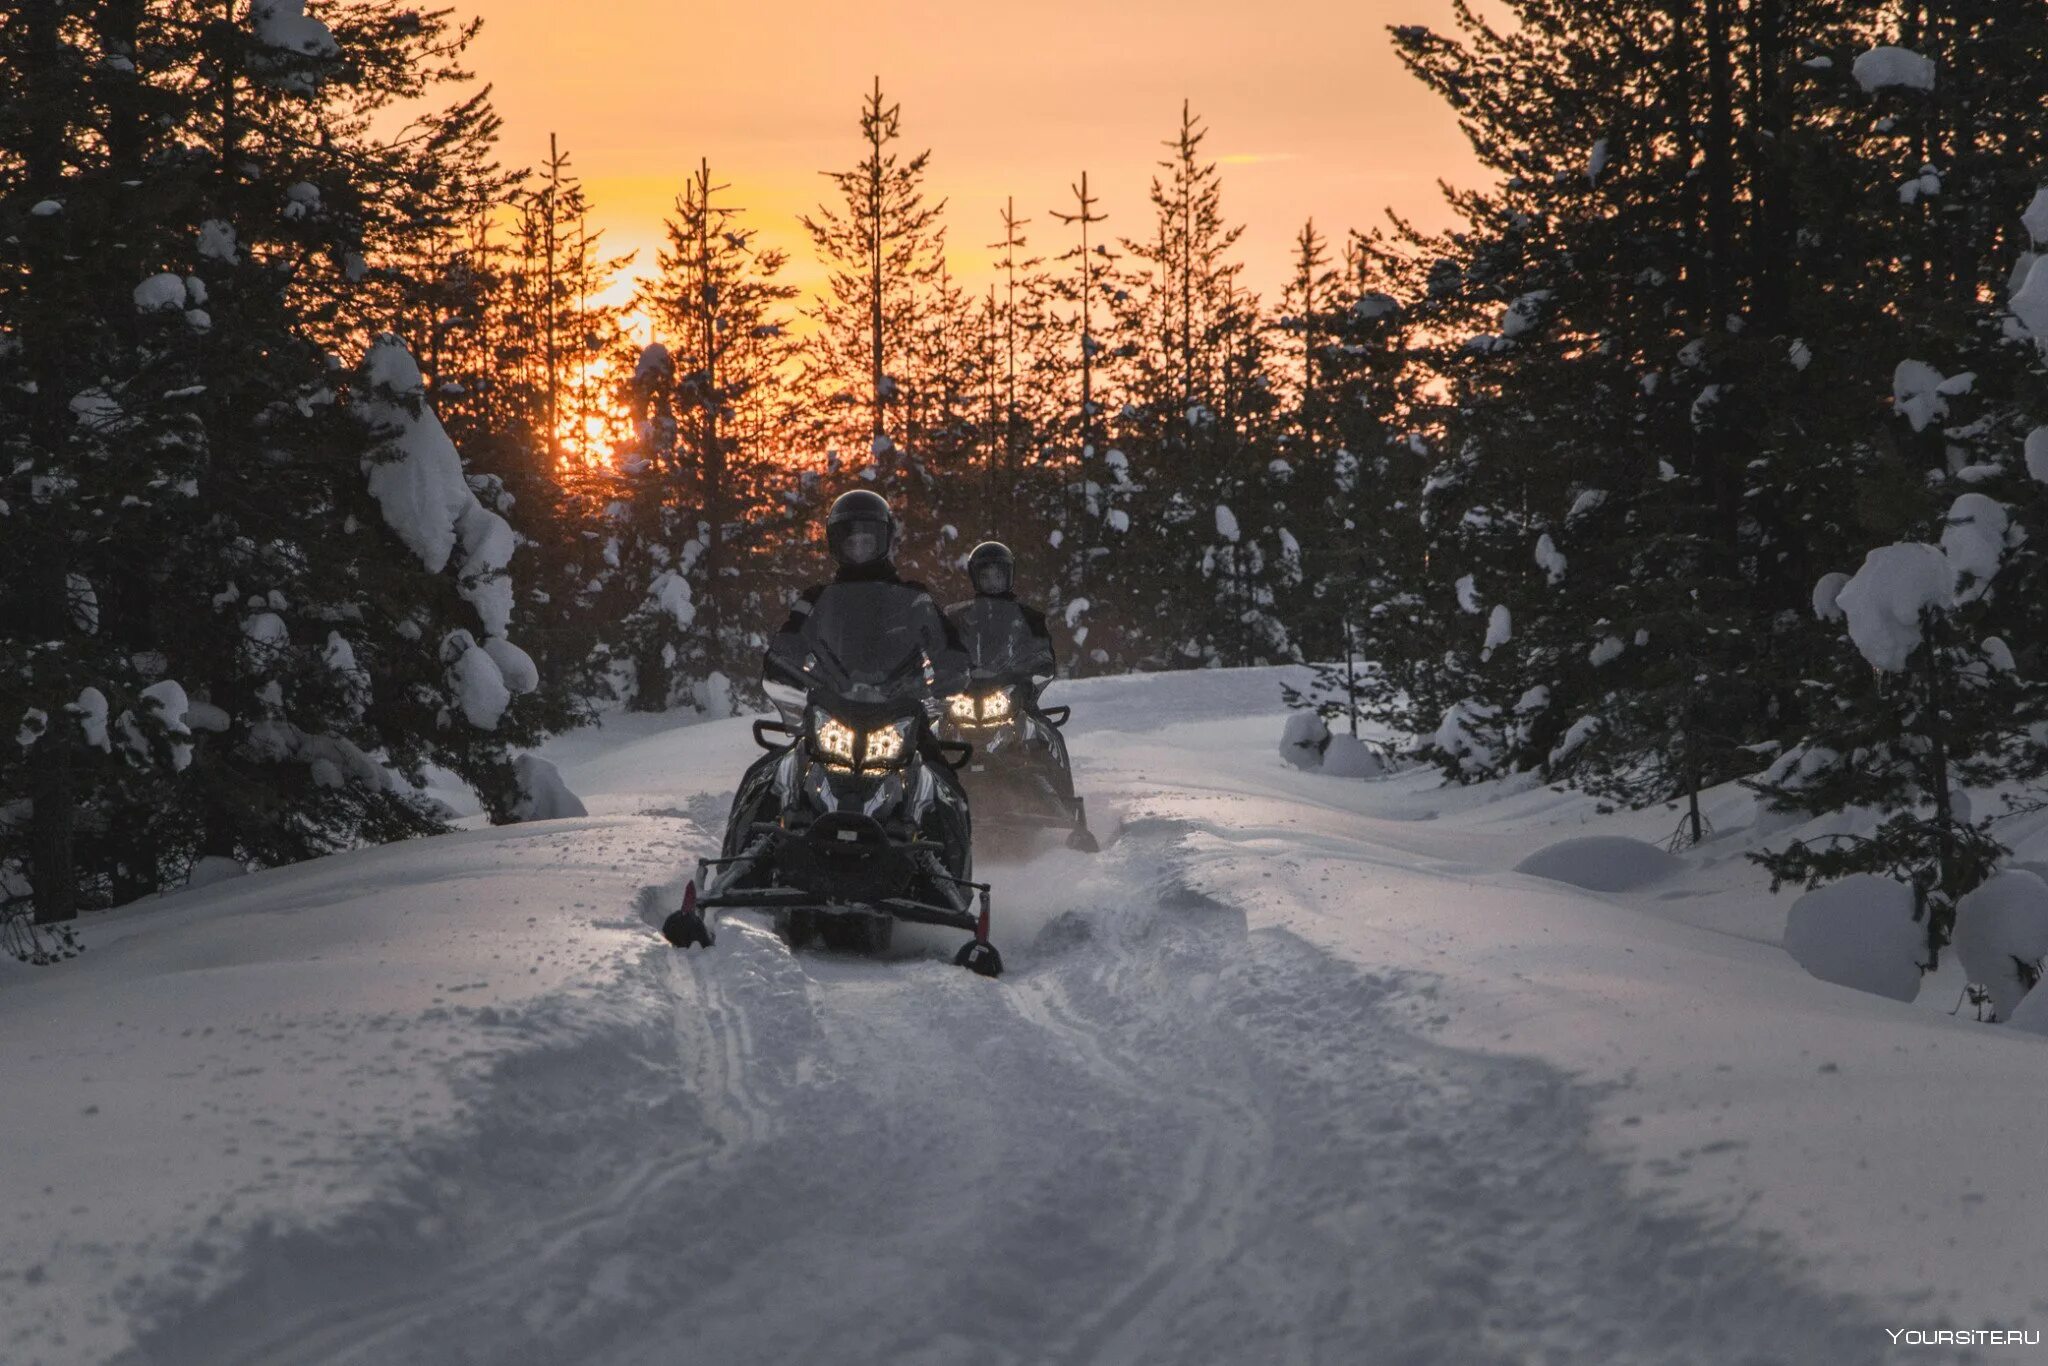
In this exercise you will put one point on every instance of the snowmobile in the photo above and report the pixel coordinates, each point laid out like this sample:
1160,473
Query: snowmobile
855,819
1019,778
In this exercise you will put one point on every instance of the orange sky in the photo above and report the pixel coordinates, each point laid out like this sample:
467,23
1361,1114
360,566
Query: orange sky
1308,108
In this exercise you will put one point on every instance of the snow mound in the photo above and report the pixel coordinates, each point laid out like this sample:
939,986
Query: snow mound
1859,933
1350,757
2002,936
1601,863
1303,741
543,796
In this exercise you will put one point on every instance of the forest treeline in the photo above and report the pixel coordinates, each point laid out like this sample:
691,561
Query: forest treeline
328,467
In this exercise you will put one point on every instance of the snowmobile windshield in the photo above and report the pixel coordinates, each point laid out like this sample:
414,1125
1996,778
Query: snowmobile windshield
1000,642
867,641
993,577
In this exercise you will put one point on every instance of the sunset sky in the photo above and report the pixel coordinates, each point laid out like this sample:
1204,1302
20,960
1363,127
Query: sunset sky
1309,110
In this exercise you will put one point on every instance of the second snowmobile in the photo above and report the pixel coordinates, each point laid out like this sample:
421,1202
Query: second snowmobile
1020,776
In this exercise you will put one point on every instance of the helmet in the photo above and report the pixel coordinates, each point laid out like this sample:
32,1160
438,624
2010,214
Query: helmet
859,530
991,568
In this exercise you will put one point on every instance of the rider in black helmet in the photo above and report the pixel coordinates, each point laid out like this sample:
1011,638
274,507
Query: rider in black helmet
861,534
994,626
1006,639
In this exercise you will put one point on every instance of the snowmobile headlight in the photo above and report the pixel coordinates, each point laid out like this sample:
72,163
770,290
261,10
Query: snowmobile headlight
995,706
834,739
885,745
961,706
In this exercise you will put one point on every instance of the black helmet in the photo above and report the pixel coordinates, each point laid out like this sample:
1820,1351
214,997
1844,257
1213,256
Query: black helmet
991,568
859,530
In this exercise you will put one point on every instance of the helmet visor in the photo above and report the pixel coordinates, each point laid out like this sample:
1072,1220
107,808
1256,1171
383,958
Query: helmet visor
992,576
863,543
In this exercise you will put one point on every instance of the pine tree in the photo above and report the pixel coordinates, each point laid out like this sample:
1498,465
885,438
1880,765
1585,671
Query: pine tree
881,244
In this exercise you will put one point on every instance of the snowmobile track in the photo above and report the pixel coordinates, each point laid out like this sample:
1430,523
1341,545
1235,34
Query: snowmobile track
1164,1137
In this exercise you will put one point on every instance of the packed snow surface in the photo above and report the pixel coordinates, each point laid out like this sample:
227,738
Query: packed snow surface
1296,1070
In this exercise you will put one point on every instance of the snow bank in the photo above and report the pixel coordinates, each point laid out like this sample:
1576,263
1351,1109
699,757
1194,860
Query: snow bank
1601,863
2002,936
1304,739
1859,933
1883,602
543,796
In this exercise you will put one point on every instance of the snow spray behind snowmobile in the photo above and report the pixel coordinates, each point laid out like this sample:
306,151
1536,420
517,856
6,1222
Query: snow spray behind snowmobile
854,818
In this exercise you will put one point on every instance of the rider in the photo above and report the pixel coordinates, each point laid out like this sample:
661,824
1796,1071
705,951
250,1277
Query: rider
860,531
1002,634
1006,638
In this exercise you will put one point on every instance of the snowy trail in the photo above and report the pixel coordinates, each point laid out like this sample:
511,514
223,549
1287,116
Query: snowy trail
1164,1137
1297,1071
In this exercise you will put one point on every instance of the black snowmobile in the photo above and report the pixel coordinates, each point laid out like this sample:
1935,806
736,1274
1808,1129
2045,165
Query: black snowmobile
1020,778
855,818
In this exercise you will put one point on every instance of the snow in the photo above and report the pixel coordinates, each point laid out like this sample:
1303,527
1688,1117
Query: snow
1351,757
2030,300
217,242
1295,1070
1827,596
1974,541
418,482
2036,218
84,603
1884,600
1304,739
670,594
214,868
264,639
1601,863
1921,186
91,711
1073,612
1801,355
1998,655
163,293
2001,931
1226,524
2037,454
168,700
1588,500
1466,734
1550,559
283,25
515,666
1605,651
1860,933
1918,394
46,208
1884,68
479,685
1596,162
543,796
1524,314
1500,629
1468,595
